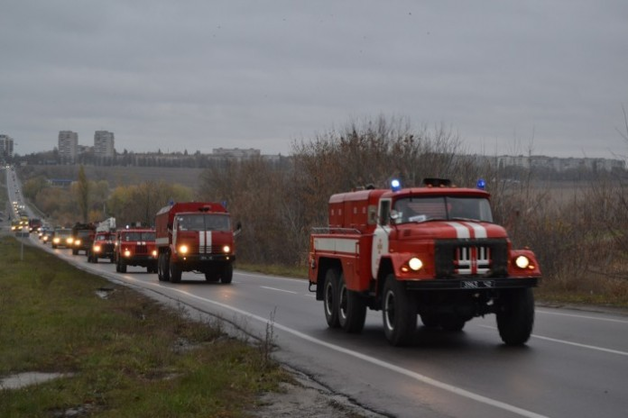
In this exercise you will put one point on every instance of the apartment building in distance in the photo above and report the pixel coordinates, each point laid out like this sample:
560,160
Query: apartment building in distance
104,144
6,146
68,146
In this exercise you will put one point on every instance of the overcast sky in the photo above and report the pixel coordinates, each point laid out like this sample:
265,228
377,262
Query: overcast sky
505,76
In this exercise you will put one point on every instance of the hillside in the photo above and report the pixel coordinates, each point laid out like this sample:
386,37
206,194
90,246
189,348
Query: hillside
118,176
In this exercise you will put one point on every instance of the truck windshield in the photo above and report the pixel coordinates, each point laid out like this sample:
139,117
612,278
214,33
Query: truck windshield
203,222
421,209
138,236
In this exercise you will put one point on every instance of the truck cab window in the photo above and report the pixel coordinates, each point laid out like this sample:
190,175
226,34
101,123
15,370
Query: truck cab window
384,212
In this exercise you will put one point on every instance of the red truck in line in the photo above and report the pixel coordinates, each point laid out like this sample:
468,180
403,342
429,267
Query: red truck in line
135,247
195,236
430,251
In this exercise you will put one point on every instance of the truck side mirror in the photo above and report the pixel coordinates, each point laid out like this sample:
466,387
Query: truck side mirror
238,229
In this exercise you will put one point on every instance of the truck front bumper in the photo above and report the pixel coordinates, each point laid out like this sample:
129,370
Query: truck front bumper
472,283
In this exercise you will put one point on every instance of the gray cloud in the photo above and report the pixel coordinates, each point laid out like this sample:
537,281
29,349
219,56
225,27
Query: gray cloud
202,74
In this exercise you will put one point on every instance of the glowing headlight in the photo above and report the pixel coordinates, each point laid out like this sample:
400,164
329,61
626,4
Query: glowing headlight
69,240
77,242
56,240
226,249
154,253
183,249
522,262
127,253
415,264
96,248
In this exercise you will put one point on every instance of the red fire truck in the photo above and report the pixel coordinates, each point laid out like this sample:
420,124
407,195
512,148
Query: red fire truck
430,251
195,236
135,247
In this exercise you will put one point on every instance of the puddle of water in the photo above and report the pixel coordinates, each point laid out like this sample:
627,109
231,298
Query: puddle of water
21,380
104,292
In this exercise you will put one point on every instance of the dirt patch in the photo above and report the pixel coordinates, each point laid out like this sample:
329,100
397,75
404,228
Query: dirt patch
306,398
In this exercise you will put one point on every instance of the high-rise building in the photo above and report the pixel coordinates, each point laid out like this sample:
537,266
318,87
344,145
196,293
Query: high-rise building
68,145
103,144
6,146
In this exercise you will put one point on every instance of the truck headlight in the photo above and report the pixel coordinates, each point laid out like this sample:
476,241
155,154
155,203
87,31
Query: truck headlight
415,264
183,249
70,240
154,253
96,248
226,249
522,262
77,242
127,253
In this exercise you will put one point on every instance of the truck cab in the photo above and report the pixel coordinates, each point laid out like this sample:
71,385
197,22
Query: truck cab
135,247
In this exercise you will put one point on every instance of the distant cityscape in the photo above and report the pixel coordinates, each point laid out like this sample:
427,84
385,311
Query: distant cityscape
103,152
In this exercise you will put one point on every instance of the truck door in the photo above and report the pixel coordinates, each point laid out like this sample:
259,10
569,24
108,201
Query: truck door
380,236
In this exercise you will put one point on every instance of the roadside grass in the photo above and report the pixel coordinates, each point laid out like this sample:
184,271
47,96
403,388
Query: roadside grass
274,269
123,355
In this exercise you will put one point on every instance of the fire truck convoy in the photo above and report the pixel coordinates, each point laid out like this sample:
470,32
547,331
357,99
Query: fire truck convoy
430,251
194,236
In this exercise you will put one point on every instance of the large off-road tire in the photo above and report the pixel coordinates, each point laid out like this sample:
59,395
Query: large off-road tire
399,312
226,276
211,276
120,266
74,252
330,297
175,272
351,308
452,322
515,319
430,320
95,259
163,270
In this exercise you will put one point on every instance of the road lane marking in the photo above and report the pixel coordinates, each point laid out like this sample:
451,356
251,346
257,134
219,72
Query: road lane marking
369,359
279,290
621,321
555,340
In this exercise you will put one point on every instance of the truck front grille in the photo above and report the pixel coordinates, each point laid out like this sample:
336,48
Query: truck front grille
141,249
473,257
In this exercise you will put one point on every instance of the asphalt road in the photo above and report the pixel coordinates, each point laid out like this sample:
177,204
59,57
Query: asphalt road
575,364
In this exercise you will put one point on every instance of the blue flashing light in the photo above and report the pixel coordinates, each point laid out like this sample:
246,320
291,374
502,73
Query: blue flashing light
481,184
395,185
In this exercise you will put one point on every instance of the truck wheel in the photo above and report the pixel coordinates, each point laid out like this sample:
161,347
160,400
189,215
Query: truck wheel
95,260
227,274
399,312
452,323
330,298
121,267
430,320
515,320
351,309
74,252
175,272
211,276
163,270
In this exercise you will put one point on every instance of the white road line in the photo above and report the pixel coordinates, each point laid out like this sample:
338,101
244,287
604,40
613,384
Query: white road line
555,340
621,321
416,376
279,290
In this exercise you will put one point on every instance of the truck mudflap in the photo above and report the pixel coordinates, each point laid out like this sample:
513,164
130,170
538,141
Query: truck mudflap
472,283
